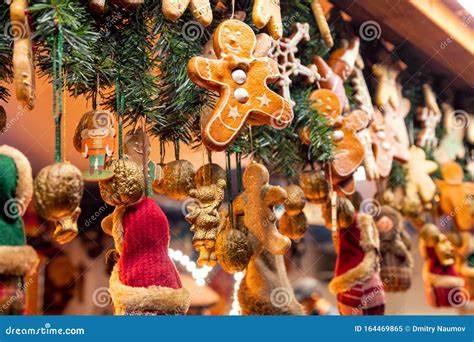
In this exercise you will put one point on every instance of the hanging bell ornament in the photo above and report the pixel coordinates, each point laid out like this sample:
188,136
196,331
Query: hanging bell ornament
58,193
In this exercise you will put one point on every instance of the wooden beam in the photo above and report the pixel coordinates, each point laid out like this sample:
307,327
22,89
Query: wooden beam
443,39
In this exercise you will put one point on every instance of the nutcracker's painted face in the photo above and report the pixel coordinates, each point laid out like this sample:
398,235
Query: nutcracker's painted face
444,250
98,132
233,37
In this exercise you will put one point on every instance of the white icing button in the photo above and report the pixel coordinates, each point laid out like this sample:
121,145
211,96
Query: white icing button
241,95
239,76
338,135
381,135
386,145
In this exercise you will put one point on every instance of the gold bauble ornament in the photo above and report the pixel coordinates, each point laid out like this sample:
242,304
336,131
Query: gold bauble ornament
295,201
127,185
345,210
233,248
207,175
177,181
293,227
58,193
315,186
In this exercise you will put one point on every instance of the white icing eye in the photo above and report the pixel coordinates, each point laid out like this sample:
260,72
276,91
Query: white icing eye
238,33
338,135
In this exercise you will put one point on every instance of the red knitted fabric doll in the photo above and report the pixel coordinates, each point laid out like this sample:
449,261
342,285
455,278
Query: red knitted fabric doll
357,282
144,280
443,285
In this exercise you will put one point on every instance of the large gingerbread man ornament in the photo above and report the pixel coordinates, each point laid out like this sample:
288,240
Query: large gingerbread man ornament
241,81
430,116
201,10
268,13
457,197
256,205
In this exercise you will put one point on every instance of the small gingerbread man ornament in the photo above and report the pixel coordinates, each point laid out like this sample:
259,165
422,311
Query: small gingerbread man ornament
456,196
257,203
337,70
241,80
268,13
452,143
364,102
201,10
418,177
430,116
284,52
349,151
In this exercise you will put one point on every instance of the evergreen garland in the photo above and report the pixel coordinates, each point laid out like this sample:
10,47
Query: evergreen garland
6,44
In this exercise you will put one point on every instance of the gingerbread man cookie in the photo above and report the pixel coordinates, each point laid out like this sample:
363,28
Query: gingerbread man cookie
241,80
418,177
339,67
267,13
456,196
452,143
385,146
430,116
349,151
386,76
364,102
256,205
201,10
284,51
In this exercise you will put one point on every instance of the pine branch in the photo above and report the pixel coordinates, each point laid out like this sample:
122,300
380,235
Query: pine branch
6,41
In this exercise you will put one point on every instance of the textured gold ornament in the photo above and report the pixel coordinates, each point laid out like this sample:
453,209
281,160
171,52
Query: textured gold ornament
177,181
127,185
315,186
203,215
233,248
207,175
296,201
294,226
345,210
58,193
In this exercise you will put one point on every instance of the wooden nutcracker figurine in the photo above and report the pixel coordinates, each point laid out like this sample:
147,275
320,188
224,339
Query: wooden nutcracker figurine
97,131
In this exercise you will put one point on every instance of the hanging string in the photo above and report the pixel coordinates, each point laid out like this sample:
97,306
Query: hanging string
209,161
119,104
228,169
162,151
145,157
233,9
57,53
176,149
64,140
333,199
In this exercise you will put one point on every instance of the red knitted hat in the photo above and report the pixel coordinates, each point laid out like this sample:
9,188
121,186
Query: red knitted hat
147,280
